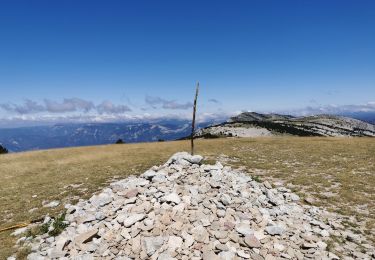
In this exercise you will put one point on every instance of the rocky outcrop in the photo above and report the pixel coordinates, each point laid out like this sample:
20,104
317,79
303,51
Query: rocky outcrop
188,210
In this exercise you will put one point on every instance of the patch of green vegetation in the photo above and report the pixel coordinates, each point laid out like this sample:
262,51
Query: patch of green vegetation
210,136
284,128
3,150
37,230
58,225
256,178
120,141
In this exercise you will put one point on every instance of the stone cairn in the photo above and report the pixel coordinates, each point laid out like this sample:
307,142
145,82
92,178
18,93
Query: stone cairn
188,210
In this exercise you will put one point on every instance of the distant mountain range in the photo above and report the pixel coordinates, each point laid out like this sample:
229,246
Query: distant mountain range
251,124
362,115
68,135
248,124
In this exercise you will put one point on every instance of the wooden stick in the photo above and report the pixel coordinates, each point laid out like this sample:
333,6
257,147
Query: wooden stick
14,227
193,123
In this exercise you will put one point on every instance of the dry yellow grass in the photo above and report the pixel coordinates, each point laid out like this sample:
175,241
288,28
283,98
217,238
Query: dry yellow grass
339,172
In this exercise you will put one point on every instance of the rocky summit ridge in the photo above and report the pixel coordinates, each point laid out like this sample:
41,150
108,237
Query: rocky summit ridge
251,124
188,210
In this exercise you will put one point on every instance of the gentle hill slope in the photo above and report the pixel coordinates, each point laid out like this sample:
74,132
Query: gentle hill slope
337,173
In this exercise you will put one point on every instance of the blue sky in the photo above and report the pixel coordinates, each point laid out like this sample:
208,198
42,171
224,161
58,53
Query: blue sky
119,59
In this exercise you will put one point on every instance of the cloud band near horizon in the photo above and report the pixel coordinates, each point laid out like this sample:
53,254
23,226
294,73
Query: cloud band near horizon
67,105
79,110
74,104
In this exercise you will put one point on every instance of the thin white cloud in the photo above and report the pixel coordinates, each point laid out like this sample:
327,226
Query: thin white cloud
107,107
68,105
28,107
51,119
333,109
156,102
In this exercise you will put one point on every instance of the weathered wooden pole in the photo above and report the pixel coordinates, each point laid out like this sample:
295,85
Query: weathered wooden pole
193,123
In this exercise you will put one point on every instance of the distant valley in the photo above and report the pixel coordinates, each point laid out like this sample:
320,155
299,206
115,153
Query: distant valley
69,135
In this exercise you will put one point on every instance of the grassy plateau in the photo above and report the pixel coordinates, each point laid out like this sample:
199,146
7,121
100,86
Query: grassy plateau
338,173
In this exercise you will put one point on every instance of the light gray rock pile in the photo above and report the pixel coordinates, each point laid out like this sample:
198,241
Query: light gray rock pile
188,210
